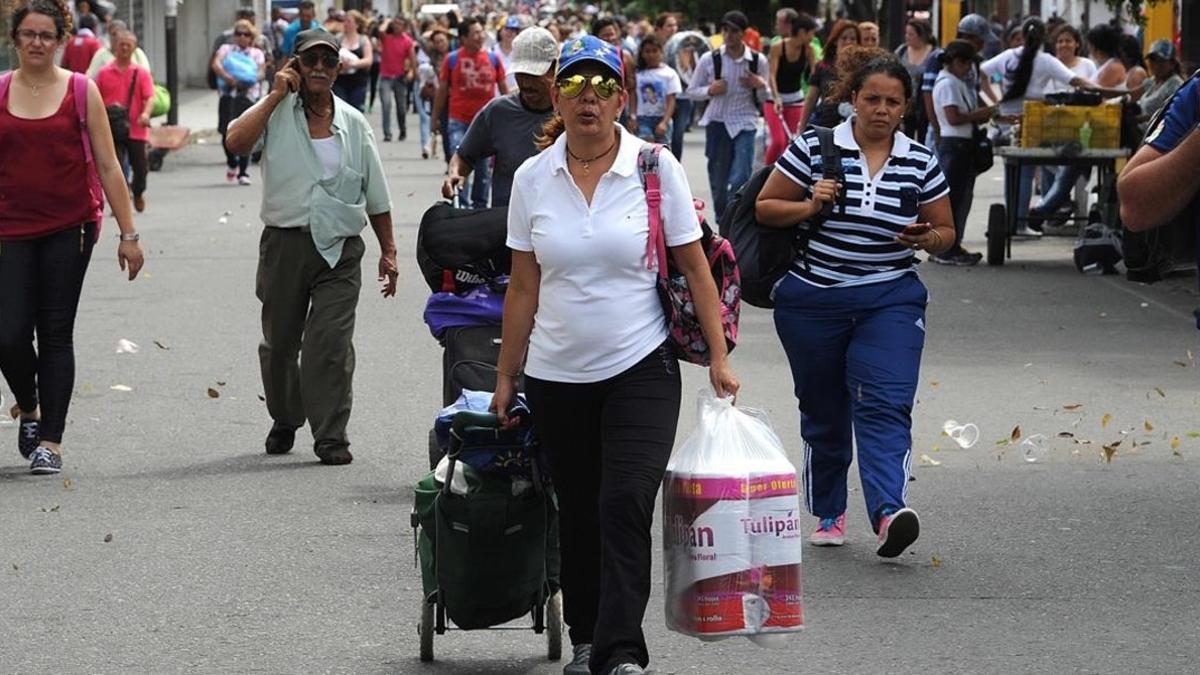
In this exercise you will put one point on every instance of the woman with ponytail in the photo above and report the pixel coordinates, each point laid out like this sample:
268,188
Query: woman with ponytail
52,169
1025,73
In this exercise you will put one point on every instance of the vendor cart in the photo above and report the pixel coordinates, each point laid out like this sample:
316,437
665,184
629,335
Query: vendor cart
1002,220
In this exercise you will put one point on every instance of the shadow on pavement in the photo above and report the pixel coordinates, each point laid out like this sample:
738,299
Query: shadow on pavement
475,667
239,464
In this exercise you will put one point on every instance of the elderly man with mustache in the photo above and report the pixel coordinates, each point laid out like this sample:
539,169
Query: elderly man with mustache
322,182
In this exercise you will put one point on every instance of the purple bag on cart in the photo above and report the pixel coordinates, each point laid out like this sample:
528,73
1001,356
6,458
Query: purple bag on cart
483,306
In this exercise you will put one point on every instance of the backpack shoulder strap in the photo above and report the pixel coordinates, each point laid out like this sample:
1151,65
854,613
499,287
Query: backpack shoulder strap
453,62
753,61
656,246
831,156
495,59
4,80
716,60
80,85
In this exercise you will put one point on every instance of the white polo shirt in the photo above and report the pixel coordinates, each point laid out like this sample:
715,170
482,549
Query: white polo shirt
598,309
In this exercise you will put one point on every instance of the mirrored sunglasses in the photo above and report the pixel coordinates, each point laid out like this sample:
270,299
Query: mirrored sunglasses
604,85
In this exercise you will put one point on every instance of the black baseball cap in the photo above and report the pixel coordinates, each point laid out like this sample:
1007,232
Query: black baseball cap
316,37
735,19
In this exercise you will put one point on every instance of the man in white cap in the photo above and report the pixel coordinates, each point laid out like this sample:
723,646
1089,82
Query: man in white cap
508,126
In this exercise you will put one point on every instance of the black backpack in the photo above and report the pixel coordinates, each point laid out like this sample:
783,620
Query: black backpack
1152,255
462,249
765,253
716,59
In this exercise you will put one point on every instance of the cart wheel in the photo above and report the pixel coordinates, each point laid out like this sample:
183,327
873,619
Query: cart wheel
425,628
997,234
435,451
554,627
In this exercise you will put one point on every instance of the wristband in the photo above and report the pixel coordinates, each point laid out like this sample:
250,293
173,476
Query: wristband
130,236
513,374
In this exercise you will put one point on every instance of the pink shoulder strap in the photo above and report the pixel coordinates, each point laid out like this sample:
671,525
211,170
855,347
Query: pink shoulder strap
656,241
4,80
79,84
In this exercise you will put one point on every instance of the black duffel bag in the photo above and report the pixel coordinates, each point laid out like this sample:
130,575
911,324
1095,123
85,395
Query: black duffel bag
462,249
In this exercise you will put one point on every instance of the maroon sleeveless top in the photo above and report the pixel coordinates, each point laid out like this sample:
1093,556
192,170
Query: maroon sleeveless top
43,173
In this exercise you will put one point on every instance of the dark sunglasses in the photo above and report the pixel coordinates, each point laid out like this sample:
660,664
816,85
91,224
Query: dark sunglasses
242,33
604,85
327,58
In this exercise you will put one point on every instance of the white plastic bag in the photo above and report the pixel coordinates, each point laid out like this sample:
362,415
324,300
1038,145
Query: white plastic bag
731,529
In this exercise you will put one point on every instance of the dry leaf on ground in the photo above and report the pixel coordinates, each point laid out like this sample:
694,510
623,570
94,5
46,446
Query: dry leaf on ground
213,393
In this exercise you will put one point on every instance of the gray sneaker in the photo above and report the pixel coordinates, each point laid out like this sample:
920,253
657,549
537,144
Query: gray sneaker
627,669
28,437
579,661
45,462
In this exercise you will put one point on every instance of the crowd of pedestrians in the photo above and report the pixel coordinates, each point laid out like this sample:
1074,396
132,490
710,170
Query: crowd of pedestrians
551,121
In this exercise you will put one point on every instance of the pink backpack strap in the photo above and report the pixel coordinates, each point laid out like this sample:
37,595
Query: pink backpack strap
4,80
79,84
656,242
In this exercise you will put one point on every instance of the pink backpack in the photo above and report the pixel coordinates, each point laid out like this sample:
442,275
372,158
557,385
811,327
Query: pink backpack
682,322
79,84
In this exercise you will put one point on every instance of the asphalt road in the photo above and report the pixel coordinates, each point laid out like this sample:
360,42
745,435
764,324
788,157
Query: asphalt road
171,543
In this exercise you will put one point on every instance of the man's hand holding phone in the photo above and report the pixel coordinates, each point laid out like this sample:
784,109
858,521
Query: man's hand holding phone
287,80
919,236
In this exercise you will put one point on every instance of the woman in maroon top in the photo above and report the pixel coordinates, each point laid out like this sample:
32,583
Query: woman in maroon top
49,220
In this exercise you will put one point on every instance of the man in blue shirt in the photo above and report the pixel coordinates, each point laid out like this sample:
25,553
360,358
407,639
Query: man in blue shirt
305,20
1159,182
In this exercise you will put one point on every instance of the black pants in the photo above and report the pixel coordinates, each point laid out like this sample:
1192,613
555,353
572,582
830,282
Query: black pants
954,154
134,152
229,108
41,281
608,443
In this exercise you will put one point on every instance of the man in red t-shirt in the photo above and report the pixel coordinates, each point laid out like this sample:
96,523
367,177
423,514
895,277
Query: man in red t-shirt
124,83
468,81
78,53
397,69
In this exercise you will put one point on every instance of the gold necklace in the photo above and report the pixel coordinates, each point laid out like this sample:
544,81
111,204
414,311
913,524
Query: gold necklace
34,87
587,163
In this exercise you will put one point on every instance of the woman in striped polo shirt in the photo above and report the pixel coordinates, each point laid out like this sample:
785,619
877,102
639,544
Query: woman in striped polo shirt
851,310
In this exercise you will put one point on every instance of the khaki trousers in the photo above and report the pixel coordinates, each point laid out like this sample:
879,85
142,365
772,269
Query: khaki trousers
307,350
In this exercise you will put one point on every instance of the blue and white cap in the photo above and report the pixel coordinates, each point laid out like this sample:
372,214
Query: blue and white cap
591,48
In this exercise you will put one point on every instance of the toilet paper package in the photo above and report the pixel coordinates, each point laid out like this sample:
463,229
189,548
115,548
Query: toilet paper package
731,529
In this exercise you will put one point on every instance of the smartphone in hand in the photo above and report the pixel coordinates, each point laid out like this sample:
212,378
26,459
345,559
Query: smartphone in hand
917,229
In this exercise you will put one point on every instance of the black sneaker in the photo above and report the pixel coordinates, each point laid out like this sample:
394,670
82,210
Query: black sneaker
333,455
403,134
280,439
579,661
45,462
28,436
387,138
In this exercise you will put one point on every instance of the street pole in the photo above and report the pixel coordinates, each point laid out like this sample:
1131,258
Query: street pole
172,62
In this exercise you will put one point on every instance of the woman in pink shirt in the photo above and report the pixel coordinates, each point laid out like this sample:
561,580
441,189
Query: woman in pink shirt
127,85
396,73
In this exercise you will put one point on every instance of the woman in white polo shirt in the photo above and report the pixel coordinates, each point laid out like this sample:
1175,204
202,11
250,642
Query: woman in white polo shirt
601,375
851,310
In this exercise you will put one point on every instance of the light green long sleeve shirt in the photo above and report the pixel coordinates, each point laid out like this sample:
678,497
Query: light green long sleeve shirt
296,195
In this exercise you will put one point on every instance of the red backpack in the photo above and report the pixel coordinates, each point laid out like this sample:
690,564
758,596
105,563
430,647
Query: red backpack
79,84
682,322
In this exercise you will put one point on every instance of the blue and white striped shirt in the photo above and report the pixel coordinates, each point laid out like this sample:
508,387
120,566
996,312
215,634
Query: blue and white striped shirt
857,245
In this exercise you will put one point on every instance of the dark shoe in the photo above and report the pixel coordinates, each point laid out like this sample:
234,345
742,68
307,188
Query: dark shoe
897,531
387,138
424,154
1036,218
333,455
28,435
139,203
45,462
280,439
403,134
579,661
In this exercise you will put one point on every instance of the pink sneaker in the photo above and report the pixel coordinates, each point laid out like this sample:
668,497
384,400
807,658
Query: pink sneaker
231,175
829,532
897,531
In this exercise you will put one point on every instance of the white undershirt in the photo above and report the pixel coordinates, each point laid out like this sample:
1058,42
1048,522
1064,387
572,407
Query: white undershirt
329,153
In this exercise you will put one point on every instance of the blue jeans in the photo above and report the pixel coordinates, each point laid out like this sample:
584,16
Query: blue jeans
424,114
394,91
646,131
474,194
855,355
729,162
1058,193
1024,193
680,122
